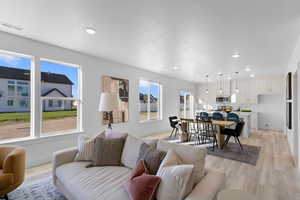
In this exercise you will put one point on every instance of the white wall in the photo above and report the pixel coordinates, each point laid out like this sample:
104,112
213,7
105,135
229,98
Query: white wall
93,68
293,135
270,110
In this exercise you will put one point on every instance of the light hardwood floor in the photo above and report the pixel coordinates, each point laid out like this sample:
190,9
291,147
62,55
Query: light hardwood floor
275,174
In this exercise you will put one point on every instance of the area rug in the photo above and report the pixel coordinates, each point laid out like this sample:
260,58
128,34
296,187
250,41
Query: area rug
42,189
232,151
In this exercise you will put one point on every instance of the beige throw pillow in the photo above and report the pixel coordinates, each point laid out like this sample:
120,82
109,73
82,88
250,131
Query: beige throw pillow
85,145
131,150
192,155
175,177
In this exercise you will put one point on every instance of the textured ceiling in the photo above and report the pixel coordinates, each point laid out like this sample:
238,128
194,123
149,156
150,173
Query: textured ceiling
198,36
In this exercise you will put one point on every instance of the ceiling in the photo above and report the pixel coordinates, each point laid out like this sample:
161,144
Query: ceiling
198,36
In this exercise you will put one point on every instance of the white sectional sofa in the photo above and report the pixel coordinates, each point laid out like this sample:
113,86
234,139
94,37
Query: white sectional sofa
77,182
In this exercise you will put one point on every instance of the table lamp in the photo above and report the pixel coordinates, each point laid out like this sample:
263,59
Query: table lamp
106,104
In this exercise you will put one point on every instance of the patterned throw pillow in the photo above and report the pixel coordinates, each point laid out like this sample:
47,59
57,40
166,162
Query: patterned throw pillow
151,156
142,185
175,177
85,146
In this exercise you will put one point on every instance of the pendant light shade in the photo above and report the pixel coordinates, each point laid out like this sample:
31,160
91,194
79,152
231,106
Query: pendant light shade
220,89
206,90
236,82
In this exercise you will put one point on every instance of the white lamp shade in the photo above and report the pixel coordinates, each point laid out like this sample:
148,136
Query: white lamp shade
106,103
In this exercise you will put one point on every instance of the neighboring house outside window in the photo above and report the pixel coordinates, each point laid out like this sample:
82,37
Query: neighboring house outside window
16,86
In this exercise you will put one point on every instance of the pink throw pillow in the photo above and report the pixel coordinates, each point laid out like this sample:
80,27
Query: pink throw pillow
142,185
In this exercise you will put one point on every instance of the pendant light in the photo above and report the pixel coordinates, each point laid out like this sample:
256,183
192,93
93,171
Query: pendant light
206,90
220,90
236,82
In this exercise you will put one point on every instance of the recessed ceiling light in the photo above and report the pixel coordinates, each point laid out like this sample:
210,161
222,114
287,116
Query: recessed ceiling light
229,78
236,55
220,73
176,68
247,69
90,30
252,75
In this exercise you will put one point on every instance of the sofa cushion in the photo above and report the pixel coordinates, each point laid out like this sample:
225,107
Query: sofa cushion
189,155
151,156
141,185
209,187
107,152
96,183
175,177
131,150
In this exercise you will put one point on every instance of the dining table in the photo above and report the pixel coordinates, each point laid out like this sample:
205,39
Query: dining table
220,125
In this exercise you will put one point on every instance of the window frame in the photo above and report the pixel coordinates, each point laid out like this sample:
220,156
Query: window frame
159,115
34,98
77,99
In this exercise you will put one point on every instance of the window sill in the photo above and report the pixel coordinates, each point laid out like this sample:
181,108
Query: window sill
42,138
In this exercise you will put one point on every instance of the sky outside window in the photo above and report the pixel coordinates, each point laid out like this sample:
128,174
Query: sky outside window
7,60
69,71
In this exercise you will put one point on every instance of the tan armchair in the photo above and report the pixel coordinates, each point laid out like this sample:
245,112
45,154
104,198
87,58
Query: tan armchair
12,168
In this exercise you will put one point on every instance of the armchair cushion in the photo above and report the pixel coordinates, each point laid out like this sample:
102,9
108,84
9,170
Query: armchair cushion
12,170
6,179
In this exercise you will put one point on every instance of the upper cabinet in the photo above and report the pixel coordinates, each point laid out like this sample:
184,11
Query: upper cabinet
249,89
270,85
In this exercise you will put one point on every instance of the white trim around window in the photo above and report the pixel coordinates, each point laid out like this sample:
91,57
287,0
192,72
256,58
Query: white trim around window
150,102
36,99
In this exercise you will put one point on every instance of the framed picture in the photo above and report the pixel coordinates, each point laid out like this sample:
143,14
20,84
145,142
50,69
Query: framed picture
119,89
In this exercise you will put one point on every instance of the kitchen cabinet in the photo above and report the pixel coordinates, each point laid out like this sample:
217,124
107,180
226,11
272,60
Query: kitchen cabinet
247,91
270,85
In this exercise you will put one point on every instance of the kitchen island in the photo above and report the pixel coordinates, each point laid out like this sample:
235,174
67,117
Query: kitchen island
246,116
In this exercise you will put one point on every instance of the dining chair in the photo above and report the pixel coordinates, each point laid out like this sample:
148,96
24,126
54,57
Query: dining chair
174,124
193,128
207,133
217,116
204,116
236,133
233,117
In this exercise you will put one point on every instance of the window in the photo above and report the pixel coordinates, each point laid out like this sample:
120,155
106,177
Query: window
15,95
24,103
11,90
10,102
150,100
59,96
50,103
186,105
59,103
